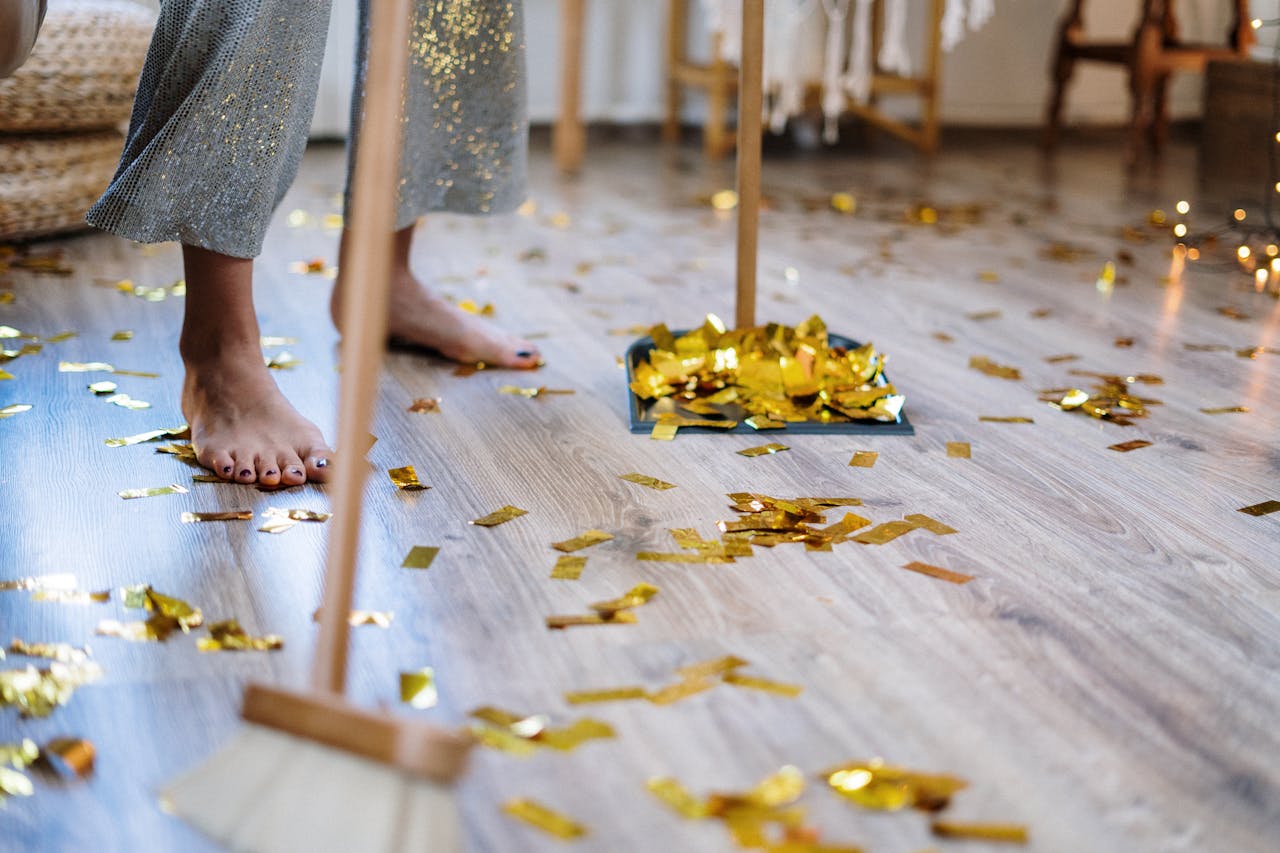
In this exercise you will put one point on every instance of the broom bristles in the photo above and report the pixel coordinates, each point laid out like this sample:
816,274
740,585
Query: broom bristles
272,792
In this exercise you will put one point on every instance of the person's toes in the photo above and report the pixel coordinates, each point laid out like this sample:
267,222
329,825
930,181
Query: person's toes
244,471
292,472
268,470
319,464
219,462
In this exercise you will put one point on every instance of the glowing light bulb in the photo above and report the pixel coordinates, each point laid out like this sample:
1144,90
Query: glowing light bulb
1243,253
1183,208
1239,214
1272,250
1256,23
1260,277
1179,230
1193,254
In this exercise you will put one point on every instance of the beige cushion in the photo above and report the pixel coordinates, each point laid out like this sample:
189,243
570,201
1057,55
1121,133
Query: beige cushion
47,182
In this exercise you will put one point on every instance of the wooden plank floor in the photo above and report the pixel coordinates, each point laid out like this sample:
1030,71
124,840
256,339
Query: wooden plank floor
1109,679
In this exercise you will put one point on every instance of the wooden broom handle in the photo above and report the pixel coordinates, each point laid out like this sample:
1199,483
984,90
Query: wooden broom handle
750,108
366,276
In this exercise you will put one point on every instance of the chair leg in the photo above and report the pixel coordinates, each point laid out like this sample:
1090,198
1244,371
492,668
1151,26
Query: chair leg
677,18
717,141
1063,67
1159,131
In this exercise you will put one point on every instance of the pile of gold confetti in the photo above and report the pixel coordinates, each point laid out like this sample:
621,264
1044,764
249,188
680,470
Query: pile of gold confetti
1110,399
767,376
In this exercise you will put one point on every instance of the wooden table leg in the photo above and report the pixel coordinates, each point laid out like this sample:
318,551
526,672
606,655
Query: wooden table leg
569,137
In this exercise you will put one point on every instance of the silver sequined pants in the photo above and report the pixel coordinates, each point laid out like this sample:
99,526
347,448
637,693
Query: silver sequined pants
224,106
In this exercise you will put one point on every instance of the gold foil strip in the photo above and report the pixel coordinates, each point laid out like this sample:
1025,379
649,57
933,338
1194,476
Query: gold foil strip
1226,410
228,515
4,374
738,679
648,482
181,432
70,756
503,740
469,306
1206,347
932,525
1010,832
586,540
1264,508
155,629
568,568
60,337
681,690
1126,446
281,361
185,452
943,337
359,618
575,734
62,580
979,316
531,393
207,478
279,520
71,596
763,450
63,652
537,815
102,388
124,401
990,419
37,692
14,758
613,694
638,595
1059,359
938,572
499,516
418,688
13,409
424,404
759,422
875,785
171,489
123,335
985,365
886,532
228,636
840,531
675,795
101,367
276,341
863,459
711,668
406,479
143,597
420,557
572,620
664,432
660,557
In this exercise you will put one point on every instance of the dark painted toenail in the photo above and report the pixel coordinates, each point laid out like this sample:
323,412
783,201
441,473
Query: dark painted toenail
322,463
295,470
524,353
226,470
245,473
270,473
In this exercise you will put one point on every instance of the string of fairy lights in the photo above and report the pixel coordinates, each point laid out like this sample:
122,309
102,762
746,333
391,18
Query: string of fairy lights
1252,235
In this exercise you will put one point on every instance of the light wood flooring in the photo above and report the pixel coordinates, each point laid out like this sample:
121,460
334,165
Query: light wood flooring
1110,679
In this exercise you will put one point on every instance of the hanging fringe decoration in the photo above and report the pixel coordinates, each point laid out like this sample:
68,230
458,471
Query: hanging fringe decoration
894,56
832,92
857,79
953,24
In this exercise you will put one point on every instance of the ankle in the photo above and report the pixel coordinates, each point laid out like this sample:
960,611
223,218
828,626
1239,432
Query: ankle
200,347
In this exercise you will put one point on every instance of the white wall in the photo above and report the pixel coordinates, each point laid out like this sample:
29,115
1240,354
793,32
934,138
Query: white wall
997,76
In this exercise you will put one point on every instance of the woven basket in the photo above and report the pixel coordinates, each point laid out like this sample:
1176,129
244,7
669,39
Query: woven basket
48,183
83,71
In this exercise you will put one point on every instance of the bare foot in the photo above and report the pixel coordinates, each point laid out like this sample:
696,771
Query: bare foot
242,427
419,317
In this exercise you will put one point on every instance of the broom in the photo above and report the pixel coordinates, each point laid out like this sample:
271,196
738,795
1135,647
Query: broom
310,771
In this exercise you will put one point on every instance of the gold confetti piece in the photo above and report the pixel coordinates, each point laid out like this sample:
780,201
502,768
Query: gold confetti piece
1058,359
863,459
531,393
101,388
958,450
279,520
1011,832
425,404
153,630
985,315
71,596
763,450
845,203
711,668
185,452
660,557
681,690
1264,508
207,478
586,540
738,679
675,795
624,617
1126,446
1041,313
171,489
418,688
932,525
6,297
568,568
574,735
11,332
181,432
143,597
124,401
299,219
59,581
1206,347
989,276
503,740
470,307
1232,312
358,618
985,365
875,785
63,652
882,533
637,596
4,374
664,432
315,266
938,572
228,636
332,221
228,515
70,757
499,516
613,694
281,361
123,335
14,409
60,337
1124,343
276,341
943,337
760,422
649,482
549,821
406,479
723,200
37,692
420,557
1226,410
991,419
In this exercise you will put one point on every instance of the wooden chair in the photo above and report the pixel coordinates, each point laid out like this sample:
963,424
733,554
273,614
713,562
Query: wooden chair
1152,55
